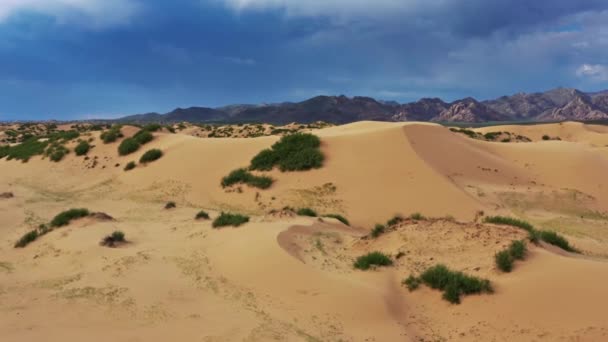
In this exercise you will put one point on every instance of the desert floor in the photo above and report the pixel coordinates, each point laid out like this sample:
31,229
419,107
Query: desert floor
283,277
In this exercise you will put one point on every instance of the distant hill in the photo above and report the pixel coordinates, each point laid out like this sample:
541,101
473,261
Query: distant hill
554,105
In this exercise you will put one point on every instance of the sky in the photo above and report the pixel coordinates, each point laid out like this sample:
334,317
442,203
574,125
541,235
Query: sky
79,59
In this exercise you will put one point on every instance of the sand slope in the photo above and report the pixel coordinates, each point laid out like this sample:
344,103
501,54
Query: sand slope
290,278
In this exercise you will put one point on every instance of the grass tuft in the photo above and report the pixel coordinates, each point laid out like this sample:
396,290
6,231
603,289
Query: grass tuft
229,219
339,218
64,218
378,230
504,261
366,261
239,176
306,212
128,146
130,166
150,156
202,215
454,283
509,221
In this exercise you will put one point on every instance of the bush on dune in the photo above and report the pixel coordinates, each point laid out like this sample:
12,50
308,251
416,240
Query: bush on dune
378,230
150,156
504,261
555,239
229,219
339,218
130,166
509,221
369,260
82,148
245,177
202,215
27,239
294,152
454,284
64,218
306,212
128,146
143,137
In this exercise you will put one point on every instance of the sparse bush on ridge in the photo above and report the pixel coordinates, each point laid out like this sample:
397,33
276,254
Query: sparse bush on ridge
549,237
294,152
116,237
27,238
82,148
368,260
150,156
339,218
111,135
202,215
245,177
417,216
504,261
395,220
555,239
518,250
509,221
64,218
412,282
229,219
306,212
128,146
143,137
454,284
378,230
152,127
130,166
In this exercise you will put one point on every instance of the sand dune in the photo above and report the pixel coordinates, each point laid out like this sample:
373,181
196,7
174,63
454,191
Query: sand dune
289,278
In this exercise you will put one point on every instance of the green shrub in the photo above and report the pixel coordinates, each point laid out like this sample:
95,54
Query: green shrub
412,282
27,149
111,135
202,215
509,221
151,155
64,218
306,212
58,154
504,261
555,239
27,239
229,219
378,230
243,176
82,148
143,137
395,220
454,283
118,236
518,250
366,261
128,146
264,161
534,236
417,217
294,152
152,127
339,218
130,166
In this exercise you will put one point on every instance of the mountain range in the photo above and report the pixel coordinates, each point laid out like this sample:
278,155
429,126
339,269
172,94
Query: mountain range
558,104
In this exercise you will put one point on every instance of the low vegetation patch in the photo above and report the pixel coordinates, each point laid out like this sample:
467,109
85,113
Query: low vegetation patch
26,239
339,218
394,221
82,148
114,239
535,236
111,135
454,284
143,137
150,156
230,219
128,146
509,221
130,166
170,205
306,212
378,230
412,282
294,152
202,215
504,261
417,217
64,218
555,239
373,259
242,176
